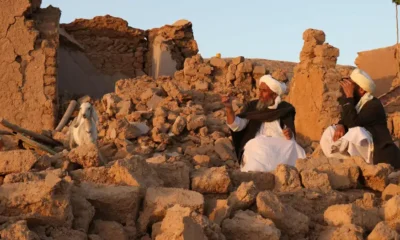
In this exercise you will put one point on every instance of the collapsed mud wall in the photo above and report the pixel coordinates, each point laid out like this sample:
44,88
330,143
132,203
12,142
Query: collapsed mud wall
28,66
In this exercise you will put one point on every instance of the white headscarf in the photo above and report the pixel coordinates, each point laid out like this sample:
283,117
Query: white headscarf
276,86
365,82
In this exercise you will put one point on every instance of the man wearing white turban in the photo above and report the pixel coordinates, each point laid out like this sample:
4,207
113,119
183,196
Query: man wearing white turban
264,132
362,130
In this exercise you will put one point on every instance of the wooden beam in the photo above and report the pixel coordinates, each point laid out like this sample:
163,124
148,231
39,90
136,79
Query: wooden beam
34,144
67,115
29,133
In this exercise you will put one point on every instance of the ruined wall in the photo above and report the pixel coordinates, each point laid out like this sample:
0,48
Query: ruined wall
380,64
315,87
169,46
28,66
110,44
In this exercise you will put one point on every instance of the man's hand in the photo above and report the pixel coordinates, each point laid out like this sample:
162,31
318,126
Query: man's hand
226,100
287,133
339,132
348,88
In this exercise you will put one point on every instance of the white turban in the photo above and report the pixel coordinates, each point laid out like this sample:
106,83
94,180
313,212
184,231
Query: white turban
276,86
363,80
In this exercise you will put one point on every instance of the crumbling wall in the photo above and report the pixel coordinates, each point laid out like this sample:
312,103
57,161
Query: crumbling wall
381,65
28,66
110,44
169,46
315,88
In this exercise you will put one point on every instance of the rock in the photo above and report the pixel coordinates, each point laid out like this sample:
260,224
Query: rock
112,203
158,200
86,156
341,174
245,67
287,178
108,230
178,126
390,210
217,210
238,60
83,213
202,160
32,176
243,197
156,230
224,149
178,224
383,232
262,180
314,180
18,231
98,175
142,128
218,62
154,101
390,191
211,180
46,202
175,175
279,75
157,159
134,171
249,225
16,161
338,215
349,231
285,217
202,86
196,122
259,70
66,234
94,237
376,176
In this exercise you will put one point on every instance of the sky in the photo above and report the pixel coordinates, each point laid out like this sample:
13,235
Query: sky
255,29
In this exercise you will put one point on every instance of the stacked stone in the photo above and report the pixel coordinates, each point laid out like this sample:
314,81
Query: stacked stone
315,87
111,44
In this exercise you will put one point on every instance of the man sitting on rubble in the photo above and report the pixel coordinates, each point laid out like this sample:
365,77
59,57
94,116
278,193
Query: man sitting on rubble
264,132
362,130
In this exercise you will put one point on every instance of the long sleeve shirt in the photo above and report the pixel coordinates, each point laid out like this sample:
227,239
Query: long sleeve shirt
269,129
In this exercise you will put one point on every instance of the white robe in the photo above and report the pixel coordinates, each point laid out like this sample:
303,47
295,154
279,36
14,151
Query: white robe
356,142
268,148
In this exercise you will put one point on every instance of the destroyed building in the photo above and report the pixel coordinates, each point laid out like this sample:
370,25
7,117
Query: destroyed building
165,167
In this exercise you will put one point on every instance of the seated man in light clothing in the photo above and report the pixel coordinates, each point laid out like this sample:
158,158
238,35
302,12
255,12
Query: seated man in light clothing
263,133
362,130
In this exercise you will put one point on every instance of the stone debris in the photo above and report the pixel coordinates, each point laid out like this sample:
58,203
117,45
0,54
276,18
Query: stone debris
286,218
211,180
164,164
250,225
383,232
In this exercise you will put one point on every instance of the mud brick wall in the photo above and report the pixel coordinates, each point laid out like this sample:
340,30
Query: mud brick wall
28,69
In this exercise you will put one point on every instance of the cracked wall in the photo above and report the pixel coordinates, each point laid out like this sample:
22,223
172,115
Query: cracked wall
28,66
315,88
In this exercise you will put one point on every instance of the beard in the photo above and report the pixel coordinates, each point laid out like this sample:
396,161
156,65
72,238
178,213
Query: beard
356,97
263,105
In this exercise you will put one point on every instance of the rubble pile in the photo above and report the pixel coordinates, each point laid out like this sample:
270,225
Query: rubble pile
164,168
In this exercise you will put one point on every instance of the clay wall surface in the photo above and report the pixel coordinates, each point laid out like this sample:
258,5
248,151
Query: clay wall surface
28,66
315,89
380,64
